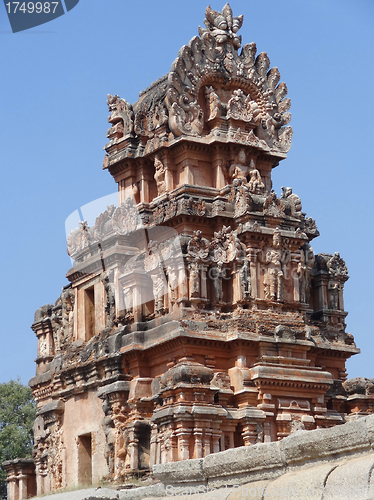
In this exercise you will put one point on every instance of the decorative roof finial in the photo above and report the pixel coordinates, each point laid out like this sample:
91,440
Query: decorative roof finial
222,26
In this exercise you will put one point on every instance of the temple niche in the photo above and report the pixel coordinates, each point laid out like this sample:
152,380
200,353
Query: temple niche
197,317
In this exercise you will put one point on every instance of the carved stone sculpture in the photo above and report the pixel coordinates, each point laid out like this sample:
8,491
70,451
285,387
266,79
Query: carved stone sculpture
213,103
194,280
245,279
242,107
255,184
198,247
160,176
120,113
239,170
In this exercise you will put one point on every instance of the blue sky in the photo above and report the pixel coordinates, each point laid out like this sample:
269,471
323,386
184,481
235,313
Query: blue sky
53,122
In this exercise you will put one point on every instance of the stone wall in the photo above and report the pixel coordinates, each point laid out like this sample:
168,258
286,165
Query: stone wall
335,463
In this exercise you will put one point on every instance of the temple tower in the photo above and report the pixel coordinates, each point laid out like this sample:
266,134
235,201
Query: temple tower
197,317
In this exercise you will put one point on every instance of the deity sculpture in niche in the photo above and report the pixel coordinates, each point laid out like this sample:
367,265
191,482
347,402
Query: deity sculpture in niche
239,170
242,107
213,103
255,184
302,272
274,277
194,280
334,296
172,284
217,276
245,280
160,176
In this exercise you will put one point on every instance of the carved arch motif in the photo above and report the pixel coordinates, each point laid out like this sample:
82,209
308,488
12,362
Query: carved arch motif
214,57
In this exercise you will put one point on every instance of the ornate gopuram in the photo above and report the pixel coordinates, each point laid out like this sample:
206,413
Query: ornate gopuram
197,317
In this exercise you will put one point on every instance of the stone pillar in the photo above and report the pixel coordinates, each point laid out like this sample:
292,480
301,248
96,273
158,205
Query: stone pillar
20,478
39,481
12,488
188,165
198,434
134,450
267,432
144,190
153,447
22,487
203,272
207,445
137,304
253,265
237,292
249,433
183,444
295,258
219,179
216,436
169,178
183,294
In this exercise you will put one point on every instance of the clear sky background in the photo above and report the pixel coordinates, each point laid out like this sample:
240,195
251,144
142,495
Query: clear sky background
53,121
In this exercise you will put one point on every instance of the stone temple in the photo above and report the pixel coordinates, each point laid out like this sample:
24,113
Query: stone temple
197,317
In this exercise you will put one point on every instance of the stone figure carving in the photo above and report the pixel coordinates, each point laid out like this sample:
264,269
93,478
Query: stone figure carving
159,214
158,281
334,296
217,275
110,437
274,277
198,247
152,113
242,107
68,303
310,227
245,279
110,302
171,207
337,267
267,128
194,279
159,176
172,284
120,112
291,202
213,103
303,275
283,143
78,239
222,26
255,184
126,218
218,206
153,259
274,206
241,197
225,246
100,229
186,116
239,170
